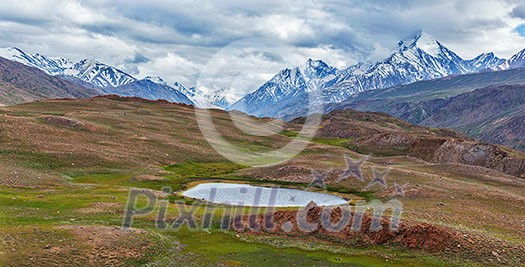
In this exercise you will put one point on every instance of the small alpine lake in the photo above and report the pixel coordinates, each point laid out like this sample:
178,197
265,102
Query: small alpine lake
259,196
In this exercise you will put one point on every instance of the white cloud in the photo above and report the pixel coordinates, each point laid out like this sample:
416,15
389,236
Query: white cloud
180,37
172,67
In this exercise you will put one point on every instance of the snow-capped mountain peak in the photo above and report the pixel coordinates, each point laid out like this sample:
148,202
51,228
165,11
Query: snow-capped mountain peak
423,41
207,97
100,74
418,57
290,76
156,79
315,64
90,71
484,61
317,69
52,66
289,82
111,80
518,56
516,61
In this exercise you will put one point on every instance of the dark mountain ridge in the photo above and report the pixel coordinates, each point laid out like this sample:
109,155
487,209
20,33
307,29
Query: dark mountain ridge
21,83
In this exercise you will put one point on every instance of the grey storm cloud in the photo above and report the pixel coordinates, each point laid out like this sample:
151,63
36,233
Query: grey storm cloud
175,39
518,12
130,65
138,58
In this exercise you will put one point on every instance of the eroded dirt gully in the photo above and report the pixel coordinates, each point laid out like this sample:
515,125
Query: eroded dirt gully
409,234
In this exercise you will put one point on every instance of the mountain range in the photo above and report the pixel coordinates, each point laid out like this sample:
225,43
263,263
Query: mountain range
99,77
485,105
90,71
413,83
20,83
417,58
287,84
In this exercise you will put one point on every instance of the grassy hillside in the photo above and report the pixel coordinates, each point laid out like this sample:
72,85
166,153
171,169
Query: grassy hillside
68,166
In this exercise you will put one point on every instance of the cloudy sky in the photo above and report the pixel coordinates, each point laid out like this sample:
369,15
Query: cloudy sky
178,39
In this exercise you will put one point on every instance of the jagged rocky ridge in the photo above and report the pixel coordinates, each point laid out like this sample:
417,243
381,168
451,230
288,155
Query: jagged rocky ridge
98,77
419,57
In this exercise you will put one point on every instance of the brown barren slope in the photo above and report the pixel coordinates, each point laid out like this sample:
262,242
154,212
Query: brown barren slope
85,154
20,83
382,134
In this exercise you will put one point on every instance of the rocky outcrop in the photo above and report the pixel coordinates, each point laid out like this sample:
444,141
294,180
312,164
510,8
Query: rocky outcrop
480,154
447,150
383,135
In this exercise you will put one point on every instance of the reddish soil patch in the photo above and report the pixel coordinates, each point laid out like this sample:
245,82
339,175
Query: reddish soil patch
409,235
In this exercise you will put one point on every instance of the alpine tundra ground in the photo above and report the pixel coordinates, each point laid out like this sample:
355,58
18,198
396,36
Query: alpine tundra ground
68,166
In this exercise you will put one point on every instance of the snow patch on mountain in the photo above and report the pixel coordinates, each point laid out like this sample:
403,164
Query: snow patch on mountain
90,71
50,65
483,62
100,74
416,58
516,61
288,83
208,97
156,79
423,42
